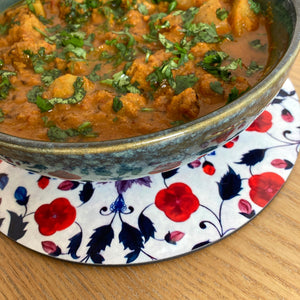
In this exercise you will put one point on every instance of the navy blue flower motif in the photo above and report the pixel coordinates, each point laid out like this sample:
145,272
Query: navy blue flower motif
253,157
3,181
100,239
118,205
17,226
230,185
74,245
87,192
21,195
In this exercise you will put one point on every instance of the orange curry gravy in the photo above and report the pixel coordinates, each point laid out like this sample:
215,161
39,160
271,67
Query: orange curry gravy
87,70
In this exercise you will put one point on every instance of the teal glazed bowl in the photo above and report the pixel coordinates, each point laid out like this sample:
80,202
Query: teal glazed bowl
164,150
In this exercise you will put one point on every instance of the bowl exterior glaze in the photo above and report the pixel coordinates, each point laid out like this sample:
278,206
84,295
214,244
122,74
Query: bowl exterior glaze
164,150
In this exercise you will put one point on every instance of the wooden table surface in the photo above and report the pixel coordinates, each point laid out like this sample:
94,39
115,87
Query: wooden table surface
260,261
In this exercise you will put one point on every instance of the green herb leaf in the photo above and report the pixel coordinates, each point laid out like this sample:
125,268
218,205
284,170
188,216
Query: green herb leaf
4,28
253,68
164,72
39,59
35,96
122,83
124,46
57,134
34,93
256,44
254,6
188,16
2,116
79,94
49,76
155,24
216,86
30,5
5,84
117,104
172,6
183,82
43,104
212,63
142,8
222,14
94,76
177,123
234,94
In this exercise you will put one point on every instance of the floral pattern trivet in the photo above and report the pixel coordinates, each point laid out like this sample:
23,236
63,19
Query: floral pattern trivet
161,216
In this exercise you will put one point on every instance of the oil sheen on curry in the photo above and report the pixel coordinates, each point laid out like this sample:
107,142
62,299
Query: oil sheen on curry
91,70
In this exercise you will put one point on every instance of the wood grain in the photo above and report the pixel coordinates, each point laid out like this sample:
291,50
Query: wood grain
260,261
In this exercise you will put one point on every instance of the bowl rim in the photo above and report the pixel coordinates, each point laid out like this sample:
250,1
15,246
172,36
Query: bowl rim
144,141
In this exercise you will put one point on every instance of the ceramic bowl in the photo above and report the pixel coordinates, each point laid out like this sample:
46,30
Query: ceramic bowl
165,150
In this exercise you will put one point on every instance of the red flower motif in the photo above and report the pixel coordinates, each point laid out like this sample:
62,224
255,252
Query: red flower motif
245,207
262,124
231,143
195,164
208,168
287,116
56,216
177,202
281,164
51,248
43,182
174,236
264,187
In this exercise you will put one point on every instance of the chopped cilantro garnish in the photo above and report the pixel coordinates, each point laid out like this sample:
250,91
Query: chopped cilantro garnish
213,64
164,72
253,68
2,116
142,8
256,44
254,6
234,94
188,16
172,6
43,104
202,32
79,93
94,76
155,24
179,50
121,83
177,123
57,134
3,28
183,82
5,84
35,96
39,59
30,5
79,13
49,76
117,104
125,49
147,109
216,86
222,14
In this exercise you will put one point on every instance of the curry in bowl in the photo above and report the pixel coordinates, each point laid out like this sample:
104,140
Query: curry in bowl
91,70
